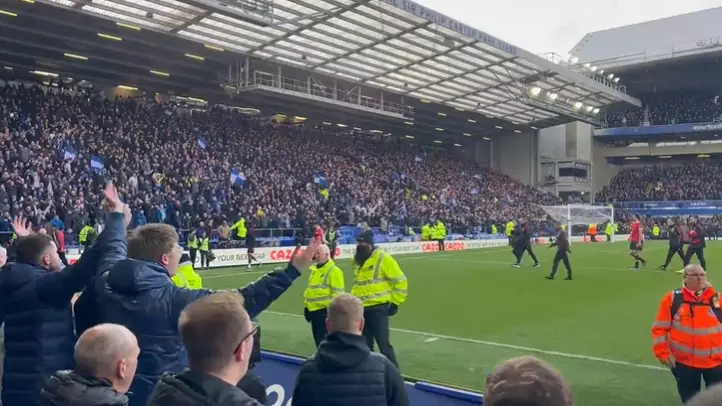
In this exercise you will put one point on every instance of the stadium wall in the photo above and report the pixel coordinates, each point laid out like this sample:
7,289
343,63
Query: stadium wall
517,156
602,171
566,141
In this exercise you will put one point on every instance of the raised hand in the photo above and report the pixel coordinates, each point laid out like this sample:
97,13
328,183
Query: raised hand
21,226
128,215
111,199
303,260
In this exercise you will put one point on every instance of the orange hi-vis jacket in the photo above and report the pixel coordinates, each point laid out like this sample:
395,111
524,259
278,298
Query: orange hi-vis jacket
592,229
694,334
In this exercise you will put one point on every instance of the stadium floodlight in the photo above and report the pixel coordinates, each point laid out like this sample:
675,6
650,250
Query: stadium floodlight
411,137
457,145
467,134
587,65
578,105
610,76
552,96
573,60
486,138
595,110
588,108
615,80
581,215
43,73
593,68
471,121
601,72
437,141
534,91
499,127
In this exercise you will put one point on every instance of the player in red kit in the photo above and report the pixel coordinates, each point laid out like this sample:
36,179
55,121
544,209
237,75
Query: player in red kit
318,234
636,242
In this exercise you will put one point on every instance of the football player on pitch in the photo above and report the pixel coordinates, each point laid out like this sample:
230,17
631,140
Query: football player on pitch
636,243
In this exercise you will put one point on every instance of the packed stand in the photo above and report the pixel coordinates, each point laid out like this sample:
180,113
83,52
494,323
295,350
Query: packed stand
670,109
175,169
694,181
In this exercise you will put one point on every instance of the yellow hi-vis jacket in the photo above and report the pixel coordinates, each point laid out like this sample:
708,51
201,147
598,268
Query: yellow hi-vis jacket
324,283
426,232
509,228
192,241
380,280
240,227
187,277
440,229
83,235
608,229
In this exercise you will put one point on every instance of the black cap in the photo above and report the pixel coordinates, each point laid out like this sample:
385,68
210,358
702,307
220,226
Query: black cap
185,258
366,236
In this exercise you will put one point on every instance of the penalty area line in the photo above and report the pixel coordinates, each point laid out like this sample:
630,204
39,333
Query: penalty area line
510,346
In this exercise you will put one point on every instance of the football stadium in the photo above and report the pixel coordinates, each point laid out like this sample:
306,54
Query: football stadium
227,201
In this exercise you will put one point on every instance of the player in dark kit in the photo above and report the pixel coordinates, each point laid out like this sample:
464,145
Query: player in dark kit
562,243
697,243
674,234
251,245
522,243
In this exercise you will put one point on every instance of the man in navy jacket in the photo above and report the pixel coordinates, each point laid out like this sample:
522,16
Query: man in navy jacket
139,294
35,296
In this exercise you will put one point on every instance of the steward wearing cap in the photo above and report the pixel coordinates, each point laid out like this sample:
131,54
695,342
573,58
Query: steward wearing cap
687,333
382,287
324,283
187,277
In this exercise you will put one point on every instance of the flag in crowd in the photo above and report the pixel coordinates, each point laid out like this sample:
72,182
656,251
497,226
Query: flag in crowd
202,143
237,177
69,154
320,179
96,164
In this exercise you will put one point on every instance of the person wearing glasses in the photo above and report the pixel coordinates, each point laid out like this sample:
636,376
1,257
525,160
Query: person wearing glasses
217,361
138,293
687,333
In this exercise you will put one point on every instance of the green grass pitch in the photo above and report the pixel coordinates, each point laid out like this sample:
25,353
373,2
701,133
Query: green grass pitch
469,310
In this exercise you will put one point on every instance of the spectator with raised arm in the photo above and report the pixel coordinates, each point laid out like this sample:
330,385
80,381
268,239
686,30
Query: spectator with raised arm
35,298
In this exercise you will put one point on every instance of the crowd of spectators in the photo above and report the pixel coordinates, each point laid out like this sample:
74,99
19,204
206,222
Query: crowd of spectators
692,181
669,109
175,168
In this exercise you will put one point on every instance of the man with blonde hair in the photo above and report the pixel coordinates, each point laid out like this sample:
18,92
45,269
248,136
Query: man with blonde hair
526,381
106,357
218,336
344,371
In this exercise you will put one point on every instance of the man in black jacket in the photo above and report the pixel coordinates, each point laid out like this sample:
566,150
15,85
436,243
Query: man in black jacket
35,295
218,337
344,372
522,243
105,360
674,234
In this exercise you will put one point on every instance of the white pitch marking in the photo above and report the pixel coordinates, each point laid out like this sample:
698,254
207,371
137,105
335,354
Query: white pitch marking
512,347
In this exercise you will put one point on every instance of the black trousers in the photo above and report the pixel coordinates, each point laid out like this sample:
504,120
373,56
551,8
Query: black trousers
193,253
561,256
519,251
204,258
63,258
699,251
689,379
332,248
675,249
317,318
609,238
376,328
441,244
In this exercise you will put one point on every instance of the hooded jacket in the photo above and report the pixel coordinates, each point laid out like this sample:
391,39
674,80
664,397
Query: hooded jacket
141,296
66,388
196,389
35,306
344,372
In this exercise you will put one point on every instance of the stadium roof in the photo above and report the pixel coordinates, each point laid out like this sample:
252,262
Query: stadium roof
398,46
669,38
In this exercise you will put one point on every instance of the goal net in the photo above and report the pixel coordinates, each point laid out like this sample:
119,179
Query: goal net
581,215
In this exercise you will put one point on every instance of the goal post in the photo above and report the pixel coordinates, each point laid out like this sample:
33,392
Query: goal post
582,214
